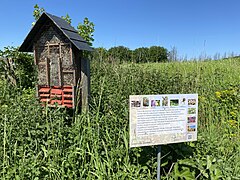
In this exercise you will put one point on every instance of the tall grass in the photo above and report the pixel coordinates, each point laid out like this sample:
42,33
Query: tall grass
43,143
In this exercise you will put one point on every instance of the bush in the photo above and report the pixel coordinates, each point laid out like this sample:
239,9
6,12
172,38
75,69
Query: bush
17,67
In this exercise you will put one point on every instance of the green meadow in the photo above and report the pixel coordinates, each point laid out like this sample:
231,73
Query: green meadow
50,143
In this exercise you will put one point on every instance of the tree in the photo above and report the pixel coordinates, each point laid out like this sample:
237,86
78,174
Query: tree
86,30
100,54
173,54
158,54
37,12
119,53
141,55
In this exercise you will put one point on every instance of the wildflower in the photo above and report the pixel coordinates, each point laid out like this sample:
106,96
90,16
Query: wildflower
232,122
218,94
202,98
233,114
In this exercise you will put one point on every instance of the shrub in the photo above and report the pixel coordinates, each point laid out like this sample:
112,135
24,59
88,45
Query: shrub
17,67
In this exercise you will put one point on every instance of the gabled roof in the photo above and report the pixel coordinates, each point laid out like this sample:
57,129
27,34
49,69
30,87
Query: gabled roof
62,25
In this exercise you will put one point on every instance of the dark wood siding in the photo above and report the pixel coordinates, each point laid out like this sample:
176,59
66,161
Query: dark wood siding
54,58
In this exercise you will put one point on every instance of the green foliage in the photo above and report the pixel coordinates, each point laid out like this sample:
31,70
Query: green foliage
141,55
86,30
100,54
157,54
37,12
229,103
122,54
215,156
67,18
17,67
119,54
44,143
210,153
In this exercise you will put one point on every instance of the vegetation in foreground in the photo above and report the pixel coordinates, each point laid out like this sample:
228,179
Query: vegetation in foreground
43,143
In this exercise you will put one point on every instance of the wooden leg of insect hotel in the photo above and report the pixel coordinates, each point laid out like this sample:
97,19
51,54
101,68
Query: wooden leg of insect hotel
85,84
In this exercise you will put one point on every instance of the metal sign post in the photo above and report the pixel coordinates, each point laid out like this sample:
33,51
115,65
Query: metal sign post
158,162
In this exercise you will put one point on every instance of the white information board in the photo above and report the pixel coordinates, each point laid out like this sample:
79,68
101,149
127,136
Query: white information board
163,119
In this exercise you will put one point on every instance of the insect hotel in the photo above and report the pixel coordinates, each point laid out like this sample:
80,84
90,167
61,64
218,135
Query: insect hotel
63,73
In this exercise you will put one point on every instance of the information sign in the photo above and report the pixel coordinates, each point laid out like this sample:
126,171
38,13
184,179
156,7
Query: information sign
163,119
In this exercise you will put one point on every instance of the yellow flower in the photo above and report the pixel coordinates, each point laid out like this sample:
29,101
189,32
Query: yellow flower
202,98
232,122
218,94
233,113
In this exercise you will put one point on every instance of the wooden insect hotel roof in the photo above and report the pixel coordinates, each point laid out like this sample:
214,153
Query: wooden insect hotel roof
62,25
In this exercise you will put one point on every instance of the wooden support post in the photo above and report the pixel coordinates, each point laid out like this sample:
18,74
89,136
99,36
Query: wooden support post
36,64
48,71
48,66
35,54
71,54
60,71
85,83
60,66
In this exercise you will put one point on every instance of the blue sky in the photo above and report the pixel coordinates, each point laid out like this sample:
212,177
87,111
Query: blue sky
194,27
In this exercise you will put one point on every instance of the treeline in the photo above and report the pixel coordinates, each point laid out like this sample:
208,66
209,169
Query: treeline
122,54
18,67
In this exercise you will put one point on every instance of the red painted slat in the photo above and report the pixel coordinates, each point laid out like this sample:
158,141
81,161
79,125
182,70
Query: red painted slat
57,87
56,95
44,90
68,105
62,95
67,101
56,101
67,90
44,95
67,95
44,100
56,91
